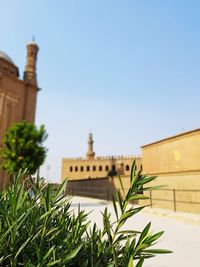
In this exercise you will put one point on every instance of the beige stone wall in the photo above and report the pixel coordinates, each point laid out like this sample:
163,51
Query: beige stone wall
176,163
179,181
178,154
75,169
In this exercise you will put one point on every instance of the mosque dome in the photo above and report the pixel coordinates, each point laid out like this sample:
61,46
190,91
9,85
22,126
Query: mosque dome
6,57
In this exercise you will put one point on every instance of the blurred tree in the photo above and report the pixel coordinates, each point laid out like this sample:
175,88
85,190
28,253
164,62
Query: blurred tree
22,148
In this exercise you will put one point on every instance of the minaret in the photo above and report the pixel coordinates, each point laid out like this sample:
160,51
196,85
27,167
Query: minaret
30,76
30,82
90,153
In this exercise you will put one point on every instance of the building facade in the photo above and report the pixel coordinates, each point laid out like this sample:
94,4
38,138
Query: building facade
17,96
97,167
176,163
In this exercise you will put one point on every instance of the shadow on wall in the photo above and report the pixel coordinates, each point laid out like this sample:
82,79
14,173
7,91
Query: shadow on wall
102,188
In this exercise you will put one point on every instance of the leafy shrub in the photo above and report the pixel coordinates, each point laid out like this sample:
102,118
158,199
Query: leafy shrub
22,148
38,228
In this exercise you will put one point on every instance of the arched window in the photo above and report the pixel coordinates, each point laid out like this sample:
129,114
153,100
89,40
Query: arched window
71,169
94,168
82,169
100,168
127,168
76,169
88,168
107,168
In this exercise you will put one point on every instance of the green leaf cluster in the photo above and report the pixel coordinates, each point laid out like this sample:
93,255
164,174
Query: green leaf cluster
38,227
22,148
130,247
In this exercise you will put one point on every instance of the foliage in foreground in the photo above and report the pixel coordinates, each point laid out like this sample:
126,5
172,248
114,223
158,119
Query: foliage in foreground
22,148
39,228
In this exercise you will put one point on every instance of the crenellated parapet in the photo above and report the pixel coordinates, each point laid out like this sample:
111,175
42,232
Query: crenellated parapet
103,158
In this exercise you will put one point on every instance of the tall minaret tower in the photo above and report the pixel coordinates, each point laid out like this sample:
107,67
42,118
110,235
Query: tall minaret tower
30,76
90,153
30,81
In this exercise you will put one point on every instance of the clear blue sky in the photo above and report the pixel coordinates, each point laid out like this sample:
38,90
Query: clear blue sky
129,71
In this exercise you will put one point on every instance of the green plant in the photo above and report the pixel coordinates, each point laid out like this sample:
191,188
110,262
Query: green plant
22,148
39,228
114,246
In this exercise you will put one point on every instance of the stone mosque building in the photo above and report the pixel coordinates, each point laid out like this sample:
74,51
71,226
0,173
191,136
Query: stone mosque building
17,96
175,161
97,167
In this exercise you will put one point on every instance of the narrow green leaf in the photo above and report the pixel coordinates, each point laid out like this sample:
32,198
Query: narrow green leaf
48,253
141,246
146,180
125,216
144,232
121,184
52,263
52,230
107,224
154,237
19,197
129,232
61,188
115,207
137,197
45,214
133,176
158,251
140,262
130,263
22,247
1,259
70,256
119,199
156,187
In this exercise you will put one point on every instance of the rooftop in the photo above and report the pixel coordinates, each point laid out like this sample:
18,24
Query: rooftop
5,57
173,137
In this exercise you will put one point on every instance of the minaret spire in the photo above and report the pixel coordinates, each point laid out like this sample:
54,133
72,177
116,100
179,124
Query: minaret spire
90,153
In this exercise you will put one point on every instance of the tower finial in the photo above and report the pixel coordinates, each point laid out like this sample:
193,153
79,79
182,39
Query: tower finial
33,39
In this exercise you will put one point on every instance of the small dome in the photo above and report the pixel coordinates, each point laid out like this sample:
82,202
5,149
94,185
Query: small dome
6,57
